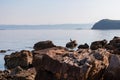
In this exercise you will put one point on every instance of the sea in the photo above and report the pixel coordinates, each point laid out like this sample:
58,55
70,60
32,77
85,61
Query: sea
23,37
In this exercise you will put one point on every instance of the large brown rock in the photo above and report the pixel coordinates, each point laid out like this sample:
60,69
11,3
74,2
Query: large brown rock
98,44
23,59
60,64
113,70
43,45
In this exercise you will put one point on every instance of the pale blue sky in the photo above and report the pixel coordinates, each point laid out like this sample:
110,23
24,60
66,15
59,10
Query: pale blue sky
57,11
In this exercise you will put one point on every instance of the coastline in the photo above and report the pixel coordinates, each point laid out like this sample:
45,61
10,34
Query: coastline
48,62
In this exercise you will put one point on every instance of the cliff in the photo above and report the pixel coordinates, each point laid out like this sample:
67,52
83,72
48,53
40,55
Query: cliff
107,24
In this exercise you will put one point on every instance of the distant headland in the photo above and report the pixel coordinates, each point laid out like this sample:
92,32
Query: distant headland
107,24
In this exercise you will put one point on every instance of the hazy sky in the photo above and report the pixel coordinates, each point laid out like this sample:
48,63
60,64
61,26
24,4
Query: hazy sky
57,11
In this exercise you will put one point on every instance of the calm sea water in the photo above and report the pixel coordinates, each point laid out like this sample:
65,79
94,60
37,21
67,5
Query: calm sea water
50,27
17,39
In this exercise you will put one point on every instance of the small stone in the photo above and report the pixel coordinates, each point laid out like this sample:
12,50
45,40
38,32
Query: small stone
3,51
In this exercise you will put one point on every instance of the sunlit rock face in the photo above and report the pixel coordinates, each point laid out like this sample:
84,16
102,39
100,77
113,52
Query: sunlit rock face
23,59
58,64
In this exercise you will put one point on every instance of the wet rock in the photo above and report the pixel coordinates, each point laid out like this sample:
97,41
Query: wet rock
98,44
43,45
3,51
85,46
23,59
72,44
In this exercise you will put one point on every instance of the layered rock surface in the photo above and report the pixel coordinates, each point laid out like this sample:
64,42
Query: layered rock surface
65,65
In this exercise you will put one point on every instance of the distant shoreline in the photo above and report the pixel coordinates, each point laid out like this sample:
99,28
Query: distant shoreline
58,26
107,24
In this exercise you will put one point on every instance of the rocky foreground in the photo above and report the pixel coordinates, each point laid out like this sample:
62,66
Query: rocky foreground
100,61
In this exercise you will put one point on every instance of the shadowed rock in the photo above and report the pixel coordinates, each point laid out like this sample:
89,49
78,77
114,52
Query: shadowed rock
113,70
3,51
85,46
98,44
114,45
43,45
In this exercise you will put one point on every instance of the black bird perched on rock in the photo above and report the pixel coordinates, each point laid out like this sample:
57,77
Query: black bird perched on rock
72,44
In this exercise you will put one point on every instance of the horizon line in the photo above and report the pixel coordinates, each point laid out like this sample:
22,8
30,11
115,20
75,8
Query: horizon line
50,24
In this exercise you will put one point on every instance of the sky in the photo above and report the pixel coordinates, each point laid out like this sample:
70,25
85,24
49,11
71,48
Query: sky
36,12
